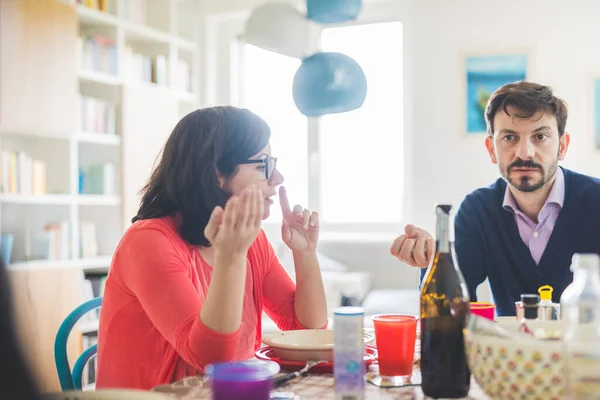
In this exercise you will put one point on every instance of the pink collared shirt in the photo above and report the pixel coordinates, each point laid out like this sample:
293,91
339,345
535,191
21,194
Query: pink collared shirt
534,235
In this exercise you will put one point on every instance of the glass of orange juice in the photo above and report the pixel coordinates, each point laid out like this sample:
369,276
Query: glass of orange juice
395,336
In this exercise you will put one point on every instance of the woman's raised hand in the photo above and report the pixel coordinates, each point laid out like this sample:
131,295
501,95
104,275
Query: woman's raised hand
232,230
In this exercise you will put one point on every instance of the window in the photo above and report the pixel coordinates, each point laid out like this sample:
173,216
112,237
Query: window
267,91
361,151
357,156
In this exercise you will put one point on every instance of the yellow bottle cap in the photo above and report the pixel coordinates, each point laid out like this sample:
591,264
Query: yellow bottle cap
545,292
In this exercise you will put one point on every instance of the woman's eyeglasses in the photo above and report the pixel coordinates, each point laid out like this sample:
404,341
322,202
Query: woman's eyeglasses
269,164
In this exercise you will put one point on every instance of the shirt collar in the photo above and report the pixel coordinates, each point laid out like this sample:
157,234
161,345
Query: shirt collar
556,195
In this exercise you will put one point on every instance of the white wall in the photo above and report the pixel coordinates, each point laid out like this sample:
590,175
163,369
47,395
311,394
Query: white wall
562,36
442,164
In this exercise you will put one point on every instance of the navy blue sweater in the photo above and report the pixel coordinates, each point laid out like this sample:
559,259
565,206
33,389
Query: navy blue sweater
488,243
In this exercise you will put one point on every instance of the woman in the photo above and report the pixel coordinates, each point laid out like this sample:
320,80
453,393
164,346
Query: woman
192,276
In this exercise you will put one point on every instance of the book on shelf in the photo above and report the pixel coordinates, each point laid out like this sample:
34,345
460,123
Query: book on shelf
89,371
87,293
183,76
97,281
97,54
100,5
87,238
143,68
21,174
88,324
54,243
135,11
97,115
98,179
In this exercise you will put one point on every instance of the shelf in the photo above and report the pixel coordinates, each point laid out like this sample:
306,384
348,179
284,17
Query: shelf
25,131
140,33
169,90
185,96
82,137
96,263
92,17
185,44
135,32
97,200
53,199
98,138
98,77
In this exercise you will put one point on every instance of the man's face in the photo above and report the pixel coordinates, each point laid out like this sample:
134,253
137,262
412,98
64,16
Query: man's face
527,151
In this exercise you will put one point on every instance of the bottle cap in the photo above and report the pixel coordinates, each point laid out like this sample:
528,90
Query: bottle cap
530,299
546,292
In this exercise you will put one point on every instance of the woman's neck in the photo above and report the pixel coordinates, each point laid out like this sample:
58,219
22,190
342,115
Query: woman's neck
208,254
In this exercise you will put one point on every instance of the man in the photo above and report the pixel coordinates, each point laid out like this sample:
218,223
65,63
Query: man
522,231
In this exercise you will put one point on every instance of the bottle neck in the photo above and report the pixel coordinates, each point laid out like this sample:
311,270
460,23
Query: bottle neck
443,232
587,273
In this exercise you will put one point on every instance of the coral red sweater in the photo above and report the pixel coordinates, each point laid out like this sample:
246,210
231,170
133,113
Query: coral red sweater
150,331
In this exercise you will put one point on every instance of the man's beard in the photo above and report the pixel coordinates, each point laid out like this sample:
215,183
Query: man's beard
528,184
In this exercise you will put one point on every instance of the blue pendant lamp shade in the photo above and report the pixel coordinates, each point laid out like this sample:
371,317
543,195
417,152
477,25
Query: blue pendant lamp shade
329,83
332,11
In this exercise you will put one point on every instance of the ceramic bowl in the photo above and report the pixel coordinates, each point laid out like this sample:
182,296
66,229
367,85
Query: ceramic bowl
306,345
518,369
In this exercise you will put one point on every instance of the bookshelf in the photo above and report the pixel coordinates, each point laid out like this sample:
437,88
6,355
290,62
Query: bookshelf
151,44
75,153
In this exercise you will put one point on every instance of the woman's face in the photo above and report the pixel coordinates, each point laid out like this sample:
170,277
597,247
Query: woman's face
255,173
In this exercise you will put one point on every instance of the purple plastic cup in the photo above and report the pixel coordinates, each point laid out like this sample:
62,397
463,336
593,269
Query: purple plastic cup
242,380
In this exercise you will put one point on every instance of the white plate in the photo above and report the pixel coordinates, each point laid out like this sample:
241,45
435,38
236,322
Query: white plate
307,344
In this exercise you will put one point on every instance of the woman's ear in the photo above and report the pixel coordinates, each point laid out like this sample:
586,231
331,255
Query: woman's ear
221,179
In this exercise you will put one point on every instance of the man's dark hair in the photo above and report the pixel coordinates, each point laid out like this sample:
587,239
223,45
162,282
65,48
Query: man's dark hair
528,99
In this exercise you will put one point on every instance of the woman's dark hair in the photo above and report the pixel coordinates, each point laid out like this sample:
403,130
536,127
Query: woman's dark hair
16,379
528,99
185,181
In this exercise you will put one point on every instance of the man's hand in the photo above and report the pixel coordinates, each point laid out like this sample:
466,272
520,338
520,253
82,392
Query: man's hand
415,247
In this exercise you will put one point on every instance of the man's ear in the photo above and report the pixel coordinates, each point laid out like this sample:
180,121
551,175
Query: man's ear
489,144
563,146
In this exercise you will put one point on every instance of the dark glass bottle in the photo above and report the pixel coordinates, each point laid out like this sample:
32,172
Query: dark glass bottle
445,306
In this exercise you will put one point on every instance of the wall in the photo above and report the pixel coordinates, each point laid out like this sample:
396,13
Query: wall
561,35
442,164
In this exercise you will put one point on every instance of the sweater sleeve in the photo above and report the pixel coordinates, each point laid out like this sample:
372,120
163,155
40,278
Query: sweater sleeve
156,269
279,290
469,246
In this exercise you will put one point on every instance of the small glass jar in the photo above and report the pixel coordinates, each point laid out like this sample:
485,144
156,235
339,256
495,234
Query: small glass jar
251,380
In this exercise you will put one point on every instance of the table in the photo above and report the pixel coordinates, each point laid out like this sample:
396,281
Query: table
318,386
313,386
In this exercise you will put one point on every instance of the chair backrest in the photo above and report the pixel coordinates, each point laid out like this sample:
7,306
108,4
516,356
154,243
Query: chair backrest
68,380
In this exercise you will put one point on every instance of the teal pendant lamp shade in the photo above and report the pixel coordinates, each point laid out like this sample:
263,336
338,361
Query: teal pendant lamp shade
329,83
333,11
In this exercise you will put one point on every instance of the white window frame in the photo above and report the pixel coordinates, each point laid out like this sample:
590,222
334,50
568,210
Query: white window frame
225,56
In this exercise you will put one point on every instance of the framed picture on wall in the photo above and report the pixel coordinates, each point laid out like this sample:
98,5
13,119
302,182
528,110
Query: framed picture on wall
483,74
